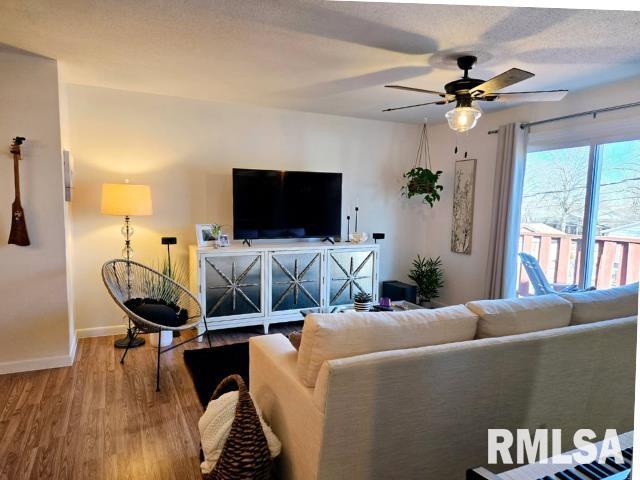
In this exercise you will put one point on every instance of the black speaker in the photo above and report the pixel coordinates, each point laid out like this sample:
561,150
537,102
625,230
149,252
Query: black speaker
396,291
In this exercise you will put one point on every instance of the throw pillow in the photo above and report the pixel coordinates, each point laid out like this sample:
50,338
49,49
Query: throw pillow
499,318
597,305
340,335
156,312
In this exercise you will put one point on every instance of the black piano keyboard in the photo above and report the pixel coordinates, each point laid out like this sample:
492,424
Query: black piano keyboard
597,471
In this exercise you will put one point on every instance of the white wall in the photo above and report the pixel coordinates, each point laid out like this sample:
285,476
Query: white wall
34,328
185,149
466,274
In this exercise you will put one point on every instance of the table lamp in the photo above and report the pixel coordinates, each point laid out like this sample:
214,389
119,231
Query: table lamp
126,200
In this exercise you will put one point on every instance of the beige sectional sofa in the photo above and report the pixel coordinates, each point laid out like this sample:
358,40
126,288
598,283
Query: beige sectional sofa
411,395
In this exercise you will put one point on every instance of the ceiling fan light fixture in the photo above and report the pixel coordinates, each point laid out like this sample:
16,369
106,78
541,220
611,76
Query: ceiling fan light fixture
462,119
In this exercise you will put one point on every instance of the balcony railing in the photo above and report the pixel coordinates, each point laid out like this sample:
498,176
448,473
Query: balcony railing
617,260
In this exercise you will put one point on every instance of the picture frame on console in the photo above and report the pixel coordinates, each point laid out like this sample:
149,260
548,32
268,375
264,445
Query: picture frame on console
206,234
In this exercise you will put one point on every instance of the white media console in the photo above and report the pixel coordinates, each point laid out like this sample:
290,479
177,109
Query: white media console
270,283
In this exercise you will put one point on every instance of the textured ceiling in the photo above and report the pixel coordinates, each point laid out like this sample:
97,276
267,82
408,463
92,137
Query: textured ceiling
330,57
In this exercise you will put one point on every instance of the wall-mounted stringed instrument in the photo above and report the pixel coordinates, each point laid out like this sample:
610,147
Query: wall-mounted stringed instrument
18,234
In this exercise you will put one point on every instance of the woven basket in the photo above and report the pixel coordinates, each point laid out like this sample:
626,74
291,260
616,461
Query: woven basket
245,454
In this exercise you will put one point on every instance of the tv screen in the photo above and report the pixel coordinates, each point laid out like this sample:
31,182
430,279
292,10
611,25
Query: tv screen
279,204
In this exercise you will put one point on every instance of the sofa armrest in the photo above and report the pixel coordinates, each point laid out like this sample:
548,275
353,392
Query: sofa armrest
286,404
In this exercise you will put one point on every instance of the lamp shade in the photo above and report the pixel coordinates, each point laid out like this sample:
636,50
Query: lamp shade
125,199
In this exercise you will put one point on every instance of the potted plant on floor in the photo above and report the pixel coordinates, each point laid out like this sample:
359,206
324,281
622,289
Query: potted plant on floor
428,275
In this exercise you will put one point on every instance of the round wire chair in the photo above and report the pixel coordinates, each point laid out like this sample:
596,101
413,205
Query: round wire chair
129,280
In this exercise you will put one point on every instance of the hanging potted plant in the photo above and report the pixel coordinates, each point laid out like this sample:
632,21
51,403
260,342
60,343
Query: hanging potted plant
422,181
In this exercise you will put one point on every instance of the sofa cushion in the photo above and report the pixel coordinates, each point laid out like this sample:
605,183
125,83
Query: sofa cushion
340,335
520,315
597,305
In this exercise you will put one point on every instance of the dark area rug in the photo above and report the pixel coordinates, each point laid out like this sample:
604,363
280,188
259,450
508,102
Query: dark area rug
209,366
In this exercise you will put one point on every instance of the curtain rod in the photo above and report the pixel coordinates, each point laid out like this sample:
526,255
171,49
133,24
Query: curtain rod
574,115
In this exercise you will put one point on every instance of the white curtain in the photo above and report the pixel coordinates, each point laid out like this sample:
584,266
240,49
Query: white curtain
505,219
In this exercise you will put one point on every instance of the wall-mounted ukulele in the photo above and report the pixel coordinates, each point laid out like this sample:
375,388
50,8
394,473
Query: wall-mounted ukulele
18,234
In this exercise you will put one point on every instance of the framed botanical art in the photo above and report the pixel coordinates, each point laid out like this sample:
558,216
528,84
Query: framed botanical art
463,197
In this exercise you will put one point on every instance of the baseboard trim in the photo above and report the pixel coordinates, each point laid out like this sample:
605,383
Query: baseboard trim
31,364
101,331
73,348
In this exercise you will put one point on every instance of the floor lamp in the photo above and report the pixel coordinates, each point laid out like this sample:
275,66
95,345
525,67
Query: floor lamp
126,200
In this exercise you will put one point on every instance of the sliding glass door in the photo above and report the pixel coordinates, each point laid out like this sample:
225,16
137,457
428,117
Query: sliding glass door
580,216
615,234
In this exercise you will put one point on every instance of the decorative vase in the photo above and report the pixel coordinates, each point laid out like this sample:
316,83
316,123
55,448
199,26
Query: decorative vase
362,306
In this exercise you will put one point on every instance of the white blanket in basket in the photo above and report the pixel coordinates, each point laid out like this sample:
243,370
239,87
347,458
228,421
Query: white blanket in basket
215,425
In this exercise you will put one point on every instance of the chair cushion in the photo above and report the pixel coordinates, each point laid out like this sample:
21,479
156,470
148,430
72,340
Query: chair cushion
340,335
597,305
499,318
158,313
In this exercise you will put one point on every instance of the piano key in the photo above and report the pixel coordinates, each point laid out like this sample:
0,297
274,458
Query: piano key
612,463
596,470
602,469
563,476
572,475
587,473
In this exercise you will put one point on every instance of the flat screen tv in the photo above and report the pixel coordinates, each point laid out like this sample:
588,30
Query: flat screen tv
281,204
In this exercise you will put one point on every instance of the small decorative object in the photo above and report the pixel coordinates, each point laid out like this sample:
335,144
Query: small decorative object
67,170
18,234
428,275
356,226
463,195
378,236
384,305
385,302
423,181
358,237
223,240
348,227
362,302
208,234
126,200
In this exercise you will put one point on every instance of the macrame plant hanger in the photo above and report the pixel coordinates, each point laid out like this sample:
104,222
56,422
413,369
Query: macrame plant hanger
424,152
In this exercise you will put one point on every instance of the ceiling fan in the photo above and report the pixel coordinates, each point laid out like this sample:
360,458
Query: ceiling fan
466,91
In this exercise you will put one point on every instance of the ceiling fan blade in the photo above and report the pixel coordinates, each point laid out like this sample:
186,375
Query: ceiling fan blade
440,102
539,96
412,89
505,79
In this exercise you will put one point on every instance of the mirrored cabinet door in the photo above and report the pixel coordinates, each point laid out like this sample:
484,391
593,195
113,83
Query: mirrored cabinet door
233,285
350,272
296,280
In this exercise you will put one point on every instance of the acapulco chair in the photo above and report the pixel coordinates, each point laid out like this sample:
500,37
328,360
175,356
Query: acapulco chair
131,283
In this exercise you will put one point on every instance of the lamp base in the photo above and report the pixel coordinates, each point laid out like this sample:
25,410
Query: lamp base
124,341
